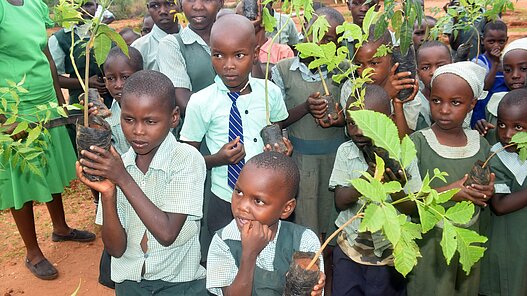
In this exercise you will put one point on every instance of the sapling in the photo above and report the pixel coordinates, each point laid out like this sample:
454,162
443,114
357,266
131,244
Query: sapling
480,172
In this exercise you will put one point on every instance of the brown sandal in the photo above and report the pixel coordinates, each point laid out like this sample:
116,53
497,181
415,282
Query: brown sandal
44,270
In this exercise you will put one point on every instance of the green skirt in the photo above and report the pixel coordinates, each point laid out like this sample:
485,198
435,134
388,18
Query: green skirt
18,187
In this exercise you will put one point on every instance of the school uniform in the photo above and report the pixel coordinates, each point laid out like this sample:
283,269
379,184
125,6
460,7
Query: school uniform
314,146
432,276
119,141
498,86
208,120
172,184
185,59
271,264
503,269
289,35
148,46
363,261
492,116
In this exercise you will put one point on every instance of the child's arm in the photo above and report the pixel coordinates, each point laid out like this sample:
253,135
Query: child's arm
113,233
483,126
494,57
255,236
345,197
314,105
229,153
165,227
507,203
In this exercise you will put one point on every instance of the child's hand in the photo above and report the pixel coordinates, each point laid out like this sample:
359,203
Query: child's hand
329,121
394,176
395,100
232,152
495,54
92,109
99,162
483,126
255,236
97,83
478,194
276,147
396,82
106,187
319,287
316,106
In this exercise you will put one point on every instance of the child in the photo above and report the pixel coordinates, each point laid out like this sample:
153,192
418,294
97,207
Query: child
185,58
151,222
514,61
164,24
405,113
358,9
422,32
129,35
503,270
252,254
148,24
430,56
494,40
452,149
233,47
362,262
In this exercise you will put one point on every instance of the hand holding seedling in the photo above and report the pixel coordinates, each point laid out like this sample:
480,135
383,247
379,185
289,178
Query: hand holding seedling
231,152
97,83
328,120
105,187
398,82
107,164
476,193
255,236
276,147
319,287
483,126
92,109
316,106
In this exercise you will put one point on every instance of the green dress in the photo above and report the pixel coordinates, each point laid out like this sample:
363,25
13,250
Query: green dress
504,267
432,276
22,39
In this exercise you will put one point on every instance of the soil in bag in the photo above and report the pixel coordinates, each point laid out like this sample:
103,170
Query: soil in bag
298,280
97,134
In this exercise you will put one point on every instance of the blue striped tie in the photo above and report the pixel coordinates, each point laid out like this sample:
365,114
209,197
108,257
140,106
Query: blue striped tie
235,130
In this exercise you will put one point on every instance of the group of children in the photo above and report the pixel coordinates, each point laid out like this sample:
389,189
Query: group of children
152,200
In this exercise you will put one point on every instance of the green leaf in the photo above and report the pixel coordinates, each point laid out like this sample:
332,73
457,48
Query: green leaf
397,22
309,50
379,168
350,31
115,37
101,48
369,19
373,191
432,195
61,112
392,187
446,195
373,220
406,251
448,241
408,152
11,83
4,104
391,227
461,212
33,134
382,50
268,20
469,254
429,216
319,28
523,154
22,126
380,129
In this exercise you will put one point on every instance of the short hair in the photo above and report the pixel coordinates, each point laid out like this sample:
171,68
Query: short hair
433,43
151,84
375,98
496,25
281,164
515,98
126,30
429,18
331,14
134,58
385,38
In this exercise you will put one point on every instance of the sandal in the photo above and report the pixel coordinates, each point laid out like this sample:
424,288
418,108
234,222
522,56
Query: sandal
43,270
75,235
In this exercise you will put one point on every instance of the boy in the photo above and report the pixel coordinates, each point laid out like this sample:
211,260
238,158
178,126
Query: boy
362,262
148,24
152,198
494,41
164,24
129,35
216,111
185,58
422,32
503,269
252,254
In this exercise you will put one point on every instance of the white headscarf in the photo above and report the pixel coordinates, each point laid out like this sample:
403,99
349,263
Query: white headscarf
516,44
471,72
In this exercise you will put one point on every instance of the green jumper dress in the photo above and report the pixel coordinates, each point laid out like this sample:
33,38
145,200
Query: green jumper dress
432,276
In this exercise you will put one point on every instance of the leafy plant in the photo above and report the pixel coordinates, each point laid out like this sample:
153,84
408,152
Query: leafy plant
520,141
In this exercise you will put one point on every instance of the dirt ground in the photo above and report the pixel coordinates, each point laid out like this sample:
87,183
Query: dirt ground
78,263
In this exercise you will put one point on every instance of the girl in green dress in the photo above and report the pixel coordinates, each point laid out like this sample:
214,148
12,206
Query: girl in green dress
452,149
24,52
503,269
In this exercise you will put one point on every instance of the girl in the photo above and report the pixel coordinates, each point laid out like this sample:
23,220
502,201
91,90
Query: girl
452,149
515,73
